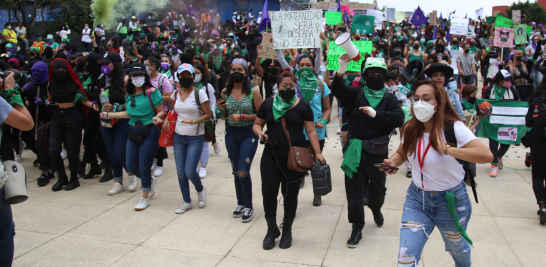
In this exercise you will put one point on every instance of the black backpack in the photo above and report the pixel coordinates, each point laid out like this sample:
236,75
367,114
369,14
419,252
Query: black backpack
449,132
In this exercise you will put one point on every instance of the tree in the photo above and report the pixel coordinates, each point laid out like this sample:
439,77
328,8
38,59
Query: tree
75,13
21,14
530,12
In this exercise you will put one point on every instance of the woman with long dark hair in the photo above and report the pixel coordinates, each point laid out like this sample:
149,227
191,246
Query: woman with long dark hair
239,104
145,110
66,91
437,197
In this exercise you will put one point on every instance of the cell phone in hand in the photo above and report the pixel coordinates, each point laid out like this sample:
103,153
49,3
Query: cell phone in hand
385,167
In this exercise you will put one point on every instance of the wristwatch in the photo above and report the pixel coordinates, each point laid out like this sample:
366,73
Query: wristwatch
447,147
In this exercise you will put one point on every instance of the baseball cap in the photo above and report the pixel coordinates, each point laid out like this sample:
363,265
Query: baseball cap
49,36
110,57
503,75
185,67
137,68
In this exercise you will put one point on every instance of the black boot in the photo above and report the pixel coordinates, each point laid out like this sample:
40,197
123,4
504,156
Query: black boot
43,180
286,239
272,233
81,169
62,181
108,174
378,217
74,182
95,170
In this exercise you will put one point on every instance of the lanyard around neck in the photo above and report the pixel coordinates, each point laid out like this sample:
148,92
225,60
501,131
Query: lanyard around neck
421,160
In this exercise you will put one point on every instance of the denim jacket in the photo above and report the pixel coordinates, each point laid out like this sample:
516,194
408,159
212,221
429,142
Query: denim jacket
456,102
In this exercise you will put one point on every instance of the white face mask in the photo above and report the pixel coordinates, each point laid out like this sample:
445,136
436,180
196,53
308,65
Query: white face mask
197,78
423,111
149,71
138,81
393,88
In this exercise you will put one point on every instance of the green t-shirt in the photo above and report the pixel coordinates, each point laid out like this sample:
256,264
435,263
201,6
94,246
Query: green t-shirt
54,45
142,110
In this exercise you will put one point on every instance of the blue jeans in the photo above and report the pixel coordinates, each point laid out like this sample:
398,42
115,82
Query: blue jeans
187,151
7,232
115,139
140,157
418,223
241,145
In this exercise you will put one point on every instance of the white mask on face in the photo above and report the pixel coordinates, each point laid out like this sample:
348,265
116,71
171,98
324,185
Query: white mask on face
197,78
149,71
423,111
392,88
138,81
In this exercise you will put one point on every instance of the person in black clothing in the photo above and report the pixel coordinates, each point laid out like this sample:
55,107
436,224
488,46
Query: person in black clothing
273,166
252,44
218,66
270,76
374,114
537,100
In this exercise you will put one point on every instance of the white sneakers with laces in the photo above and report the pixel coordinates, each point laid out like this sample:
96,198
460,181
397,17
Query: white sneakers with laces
158,171
132,183
203,173
118,188
183,208
202,197
143,203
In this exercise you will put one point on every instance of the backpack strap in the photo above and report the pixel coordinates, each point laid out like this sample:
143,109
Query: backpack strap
449,133
198,103
160,84
149,93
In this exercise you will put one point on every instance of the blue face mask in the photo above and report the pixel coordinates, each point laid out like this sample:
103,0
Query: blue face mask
297,67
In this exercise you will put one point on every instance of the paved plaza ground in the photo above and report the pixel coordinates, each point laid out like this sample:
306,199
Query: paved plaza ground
86,227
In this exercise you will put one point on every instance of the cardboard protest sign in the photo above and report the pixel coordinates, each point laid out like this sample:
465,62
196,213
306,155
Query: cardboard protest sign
333,18
502,120
516,16
363,24
432,18
391,14
520,32
504,37
398,16
504,22
296,29
459,26
335,51
266,49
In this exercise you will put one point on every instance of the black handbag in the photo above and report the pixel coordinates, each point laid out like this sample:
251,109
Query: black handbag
376,146
322,179
138,137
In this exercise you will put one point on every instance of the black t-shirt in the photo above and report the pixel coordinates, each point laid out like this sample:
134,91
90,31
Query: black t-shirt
294,117
269,83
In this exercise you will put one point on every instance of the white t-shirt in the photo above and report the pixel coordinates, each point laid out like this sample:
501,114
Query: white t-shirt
440,172
85,37
189,109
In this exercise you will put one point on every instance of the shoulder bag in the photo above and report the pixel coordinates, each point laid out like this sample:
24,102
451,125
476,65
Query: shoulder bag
300,159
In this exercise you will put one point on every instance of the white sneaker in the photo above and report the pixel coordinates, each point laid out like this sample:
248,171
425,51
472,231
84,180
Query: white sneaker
152,188
216,148
64,154
118,188
203,173
17,158
143,203
154,165
132,183
202,197
183,208
338,130
158,171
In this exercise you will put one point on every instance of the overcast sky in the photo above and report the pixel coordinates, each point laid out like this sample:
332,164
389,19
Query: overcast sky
462,6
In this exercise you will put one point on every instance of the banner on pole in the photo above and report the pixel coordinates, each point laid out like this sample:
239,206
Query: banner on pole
267,50
502,120
432,18
459,26
520,32
391,14
296,29
504,37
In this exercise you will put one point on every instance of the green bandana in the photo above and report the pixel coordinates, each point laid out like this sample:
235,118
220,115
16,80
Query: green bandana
217,61
228,50
198,86
469,106
281,106
244,52
451,199
15,99
167,73
287,58
454,47
206,56
349,80
307,83
499,92
87,83
374,96
351,157
473,50
198,50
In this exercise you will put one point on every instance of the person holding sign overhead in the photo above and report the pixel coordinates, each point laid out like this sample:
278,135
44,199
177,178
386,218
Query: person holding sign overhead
374,114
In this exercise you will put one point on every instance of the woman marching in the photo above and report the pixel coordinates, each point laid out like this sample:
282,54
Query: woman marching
434,142
284,114
239,104
144,109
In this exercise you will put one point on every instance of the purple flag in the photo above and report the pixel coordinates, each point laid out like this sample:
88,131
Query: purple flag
265,18
441,15
466,16
338,5
418,17
190,11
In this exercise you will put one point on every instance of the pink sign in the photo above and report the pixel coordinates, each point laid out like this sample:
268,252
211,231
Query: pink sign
352,12
504,37
346,9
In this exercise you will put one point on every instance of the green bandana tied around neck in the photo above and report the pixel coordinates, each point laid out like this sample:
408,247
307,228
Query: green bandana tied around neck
307,83
499,92
206,56
351,157
287,58
167,73
281,106
15,99
244,52
374,96
469,106
451,199
473,50
229,50
454,47
198,50
198,86
217,61
87,83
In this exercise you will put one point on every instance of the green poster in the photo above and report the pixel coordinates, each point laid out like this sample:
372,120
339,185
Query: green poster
490,20
363,24
520,32
333,18
504,22
502,120
529,30
335,51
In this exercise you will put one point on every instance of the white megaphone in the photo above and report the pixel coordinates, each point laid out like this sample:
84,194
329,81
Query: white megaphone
15,188
344,40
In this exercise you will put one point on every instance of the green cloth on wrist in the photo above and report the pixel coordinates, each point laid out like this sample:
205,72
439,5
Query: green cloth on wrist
79,97
451,199
374,96
488,49
281,106
323,121
351,157
15,99
219,112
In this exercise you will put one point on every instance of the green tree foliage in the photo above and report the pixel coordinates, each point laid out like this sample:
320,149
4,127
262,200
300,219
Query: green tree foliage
530,11
75,13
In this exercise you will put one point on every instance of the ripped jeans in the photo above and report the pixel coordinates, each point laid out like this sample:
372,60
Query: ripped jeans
241,145
418,224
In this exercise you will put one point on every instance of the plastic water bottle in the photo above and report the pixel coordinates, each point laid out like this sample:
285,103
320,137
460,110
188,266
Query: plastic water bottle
104,97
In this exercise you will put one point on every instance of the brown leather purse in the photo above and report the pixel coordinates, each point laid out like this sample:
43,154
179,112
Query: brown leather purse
300,159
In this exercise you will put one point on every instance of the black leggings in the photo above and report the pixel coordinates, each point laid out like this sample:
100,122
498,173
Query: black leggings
538,146
160,155
275,173
66,128
497,152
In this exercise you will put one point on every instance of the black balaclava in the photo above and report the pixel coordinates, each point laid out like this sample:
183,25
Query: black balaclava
375,83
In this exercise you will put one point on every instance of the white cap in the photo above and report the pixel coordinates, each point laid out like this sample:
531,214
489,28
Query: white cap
234,13
260,13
